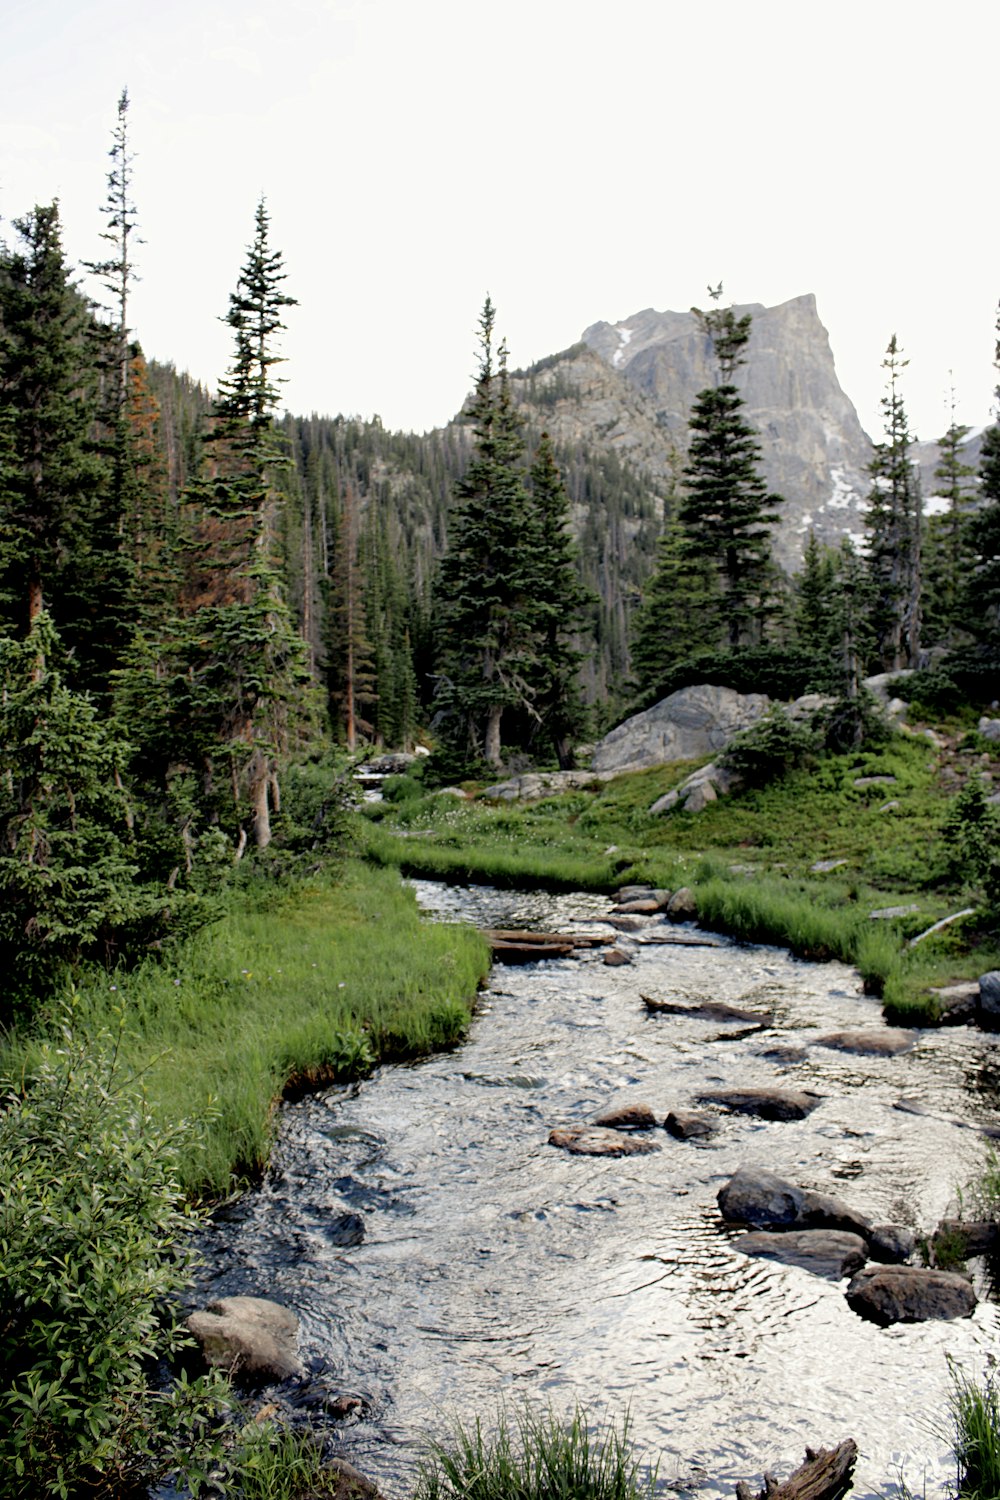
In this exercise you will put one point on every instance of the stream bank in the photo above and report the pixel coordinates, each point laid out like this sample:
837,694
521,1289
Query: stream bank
443,1256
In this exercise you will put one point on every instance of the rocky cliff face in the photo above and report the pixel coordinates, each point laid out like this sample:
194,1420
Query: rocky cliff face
631,385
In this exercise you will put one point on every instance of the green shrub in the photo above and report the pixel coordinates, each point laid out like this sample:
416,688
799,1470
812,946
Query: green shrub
93,1245
769,749
972,838
535,1456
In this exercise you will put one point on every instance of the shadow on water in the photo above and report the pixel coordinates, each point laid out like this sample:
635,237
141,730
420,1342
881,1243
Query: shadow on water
442,1256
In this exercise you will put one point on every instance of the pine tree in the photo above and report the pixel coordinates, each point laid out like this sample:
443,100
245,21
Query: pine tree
484,611
559,599
677,599
726,512
894,525
946,553
52,477
983,593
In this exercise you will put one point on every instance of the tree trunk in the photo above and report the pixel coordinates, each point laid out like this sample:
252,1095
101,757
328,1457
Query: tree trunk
825,1475
491,745
260,786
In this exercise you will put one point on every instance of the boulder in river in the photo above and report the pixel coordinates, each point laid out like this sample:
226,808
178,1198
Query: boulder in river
765,1200
884,1041
683,905
909,1294
598,1140
638,1116
249,1338
833,1253
989,997
765,1104
891,1243
615,957
689,1125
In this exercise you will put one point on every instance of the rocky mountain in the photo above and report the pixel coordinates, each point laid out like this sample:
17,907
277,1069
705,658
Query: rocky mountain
631,385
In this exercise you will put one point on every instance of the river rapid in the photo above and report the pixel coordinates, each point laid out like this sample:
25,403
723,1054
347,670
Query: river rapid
494,1267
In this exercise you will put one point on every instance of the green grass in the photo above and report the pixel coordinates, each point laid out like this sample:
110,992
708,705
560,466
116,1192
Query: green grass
318,984
975,1417
276,1463
749,858
535,1456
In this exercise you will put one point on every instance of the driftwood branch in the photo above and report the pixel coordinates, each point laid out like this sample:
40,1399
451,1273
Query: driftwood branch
827,1474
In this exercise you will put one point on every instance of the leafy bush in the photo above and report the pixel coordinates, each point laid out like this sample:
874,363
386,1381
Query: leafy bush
769,749
850,723
972,838
537,1457
93,1245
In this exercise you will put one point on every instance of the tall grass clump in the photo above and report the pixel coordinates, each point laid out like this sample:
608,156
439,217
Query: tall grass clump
536,1456
975,1417
767,912
315,984
275,1463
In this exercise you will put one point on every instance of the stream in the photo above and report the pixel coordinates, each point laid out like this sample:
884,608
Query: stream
443,1257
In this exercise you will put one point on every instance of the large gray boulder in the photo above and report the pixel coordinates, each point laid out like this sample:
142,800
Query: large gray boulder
691,723
909,1294
249,1338
989,996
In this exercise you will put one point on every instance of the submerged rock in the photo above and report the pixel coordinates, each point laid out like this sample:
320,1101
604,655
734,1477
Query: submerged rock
598,1140
888,1041
833,1253
909,1294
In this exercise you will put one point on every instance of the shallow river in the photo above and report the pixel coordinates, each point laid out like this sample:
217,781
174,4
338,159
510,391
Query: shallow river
494,1266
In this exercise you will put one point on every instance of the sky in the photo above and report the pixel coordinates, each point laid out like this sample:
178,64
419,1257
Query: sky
577,161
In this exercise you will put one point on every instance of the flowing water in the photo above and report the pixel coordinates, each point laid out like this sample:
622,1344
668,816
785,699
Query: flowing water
496,1267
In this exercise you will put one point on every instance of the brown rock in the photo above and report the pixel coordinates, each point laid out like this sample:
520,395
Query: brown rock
628,1117
909,1294
887,1041
689,1126
595,1140
765,1104
615,957
682,906
833,1253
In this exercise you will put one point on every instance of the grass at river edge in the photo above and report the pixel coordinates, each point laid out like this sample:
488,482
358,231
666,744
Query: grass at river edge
749,857
316,983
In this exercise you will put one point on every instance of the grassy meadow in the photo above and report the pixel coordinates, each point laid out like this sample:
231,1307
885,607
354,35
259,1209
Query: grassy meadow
319,981
749,857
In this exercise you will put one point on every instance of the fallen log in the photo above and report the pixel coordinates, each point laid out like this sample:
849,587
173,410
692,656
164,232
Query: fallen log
575,940
827,1474
527,953
707,1010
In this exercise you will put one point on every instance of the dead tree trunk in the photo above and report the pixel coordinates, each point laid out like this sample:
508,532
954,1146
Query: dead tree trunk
827,1474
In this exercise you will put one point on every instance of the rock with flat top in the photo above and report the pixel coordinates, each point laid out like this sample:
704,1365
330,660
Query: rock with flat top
638,1116
597,1140
832,1253
885,1041
761,1198
689,1125
909,1294
765,1104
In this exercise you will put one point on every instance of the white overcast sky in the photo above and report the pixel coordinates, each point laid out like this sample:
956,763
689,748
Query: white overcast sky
577,160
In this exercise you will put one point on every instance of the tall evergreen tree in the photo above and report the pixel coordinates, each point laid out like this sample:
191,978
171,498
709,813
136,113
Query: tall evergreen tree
946,551
894,525
983,593
726,513
679,598
52,477
485,616
559,599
